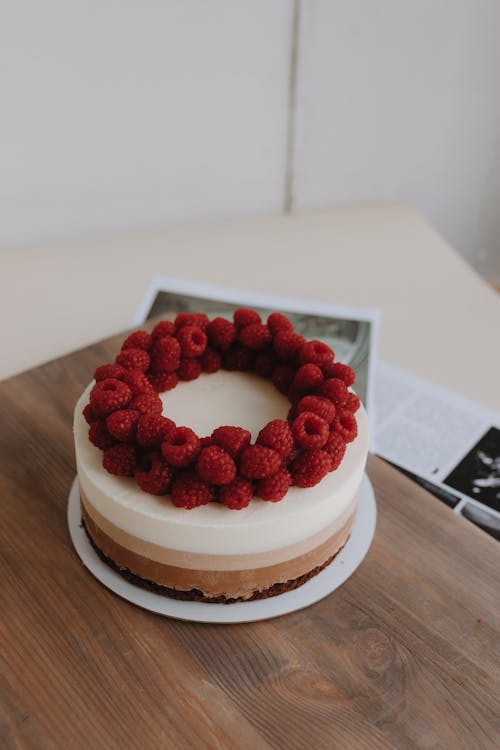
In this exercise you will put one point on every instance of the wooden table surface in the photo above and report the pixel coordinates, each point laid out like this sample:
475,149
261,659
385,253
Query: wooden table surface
404,655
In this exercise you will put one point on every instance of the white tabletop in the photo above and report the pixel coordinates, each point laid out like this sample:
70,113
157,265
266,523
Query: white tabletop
440,319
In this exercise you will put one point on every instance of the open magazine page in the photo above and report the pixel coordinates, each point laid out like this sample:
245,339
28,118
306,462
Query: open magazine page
447,442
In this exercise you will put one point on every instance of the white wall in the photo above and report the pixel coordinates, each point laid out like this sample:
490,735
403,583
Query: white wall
119,114
400,99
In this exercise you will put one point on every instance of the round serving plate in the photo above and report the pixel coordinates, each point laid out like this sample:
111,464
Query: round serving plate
315,589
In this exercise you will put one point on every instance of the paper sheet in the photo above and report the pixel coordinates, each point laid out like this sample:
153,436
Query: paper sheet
448,442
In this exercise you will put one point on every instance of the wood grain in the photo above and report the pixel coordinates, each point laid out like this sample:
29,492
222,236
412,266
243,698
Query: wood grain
404,655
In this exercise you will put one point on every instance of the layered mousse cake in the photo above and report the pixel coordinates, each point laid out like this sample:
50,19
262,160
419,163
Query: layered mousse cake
220,460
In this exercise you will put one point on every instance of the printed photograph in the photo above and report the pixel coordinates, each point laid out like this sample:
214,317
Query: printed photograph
350,339
478,473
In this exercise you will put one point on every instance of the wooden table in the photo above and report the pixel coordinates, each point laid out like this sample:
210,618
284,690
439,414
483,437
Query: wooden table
403,655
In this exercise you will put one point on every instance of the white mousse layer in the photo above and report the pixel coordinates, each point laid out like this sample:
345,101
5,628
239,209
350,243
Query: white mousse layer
208,402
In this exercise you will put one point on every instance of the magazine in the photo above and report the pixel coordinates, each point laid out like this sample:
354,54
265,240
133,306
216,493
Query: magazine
444,441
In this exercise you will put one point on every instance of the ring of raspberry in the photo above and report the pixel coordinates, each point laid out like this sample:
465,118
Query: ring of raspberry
125,417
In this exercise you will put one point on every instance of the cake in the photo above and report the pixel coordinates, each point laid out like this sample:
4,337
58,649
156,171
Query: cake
260,499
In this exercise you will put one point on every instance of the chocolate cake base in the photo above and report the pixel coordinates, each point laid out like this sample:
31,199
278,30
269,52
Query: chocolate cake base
198,596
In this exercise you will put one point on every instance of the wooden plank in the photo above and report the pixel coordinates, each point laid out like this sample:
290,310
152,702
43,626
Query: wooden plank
405,654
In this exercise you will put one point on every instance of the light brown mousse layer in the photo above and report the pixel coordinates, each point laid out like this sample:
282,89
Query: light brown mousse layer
237,582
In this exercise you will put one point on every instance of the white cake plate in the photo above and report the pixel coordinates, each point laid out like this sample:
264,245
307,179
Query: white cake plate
317,588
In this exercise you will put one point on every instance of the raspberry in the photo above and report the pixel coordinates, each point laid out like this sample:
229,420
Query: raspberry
328,369
352,402
278,322
232,439
211,360
181,447
335,447
294,394
221,334
310,430
282,377
137,340
133,359
99,435
88,414
275,487
122,424
258,462
316,353
165,354
255,336
147,402
319,405
163,328
108,371
189,369
125,418
335,390
109,395
237,494
278,436
306,378
189,491
163,381
192,340
153,429
120,460
342,372
215,465
345,424
238,357
310,467
200,320
264,363
287,344
153,474
137,382
243,316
